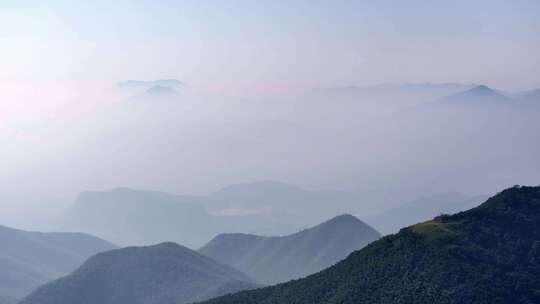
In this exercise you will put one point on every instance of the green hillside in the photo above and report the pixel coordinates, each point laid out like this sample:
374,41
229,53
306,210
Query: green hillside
489,254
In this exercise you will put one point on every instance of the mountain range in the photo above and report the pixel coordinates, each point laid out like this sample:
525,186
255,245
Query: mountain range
29,259
347,144
136,217
278,199
488,254
166,273
271,260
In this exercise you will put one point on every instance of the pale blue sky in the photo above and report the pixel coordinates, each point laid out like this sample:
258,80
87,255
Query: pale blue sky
220,43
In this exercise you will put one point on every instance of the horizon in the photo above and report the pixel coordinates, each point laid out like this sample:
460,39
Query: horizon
386,39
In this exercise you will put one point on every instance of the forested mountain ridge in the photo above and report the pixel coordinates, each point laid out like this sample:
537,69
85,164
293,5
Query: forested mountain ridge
488,254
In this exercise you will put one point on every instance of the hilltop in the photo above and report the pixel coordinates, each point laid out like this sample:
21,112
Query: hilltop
166,273
271,260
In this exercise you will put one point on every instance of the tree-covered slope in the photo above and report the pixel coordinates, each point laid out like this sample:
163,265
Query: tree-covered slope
162,274
489,254
29,259
271,260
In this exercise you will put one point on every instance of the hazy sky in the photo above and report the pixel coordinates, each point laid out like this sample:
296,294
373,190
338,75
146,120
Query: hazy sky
61,133
270,45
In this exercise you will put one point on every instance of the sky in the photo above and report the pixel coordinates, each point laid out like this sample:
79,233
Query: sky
238,46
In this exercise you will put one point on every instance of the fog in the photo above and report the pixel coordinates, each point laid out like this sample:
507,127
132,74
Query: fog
409,138
370,98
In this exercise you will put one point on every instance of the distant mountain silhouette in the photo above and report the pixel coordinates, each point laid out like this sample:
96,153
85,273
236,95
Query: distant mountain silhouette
271,260
480,95
126,216
390,221
280,200
29,259
160,90
161,274
135,217
156,94
488,254
262,196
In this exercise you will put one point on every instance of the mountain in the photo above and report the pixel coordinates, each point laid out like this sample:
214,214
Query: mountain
479,95
278,200
29,259
160,90
156,93
285,204
166,273
271,260
390,221
488,254
135,217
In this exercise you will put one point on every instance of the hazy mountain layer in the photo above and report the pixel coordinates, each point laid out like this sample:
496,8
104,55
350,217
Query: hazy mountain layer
131,217
135,217
29,259
271,260
477,95
489,254
161,274
334,138
291,203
